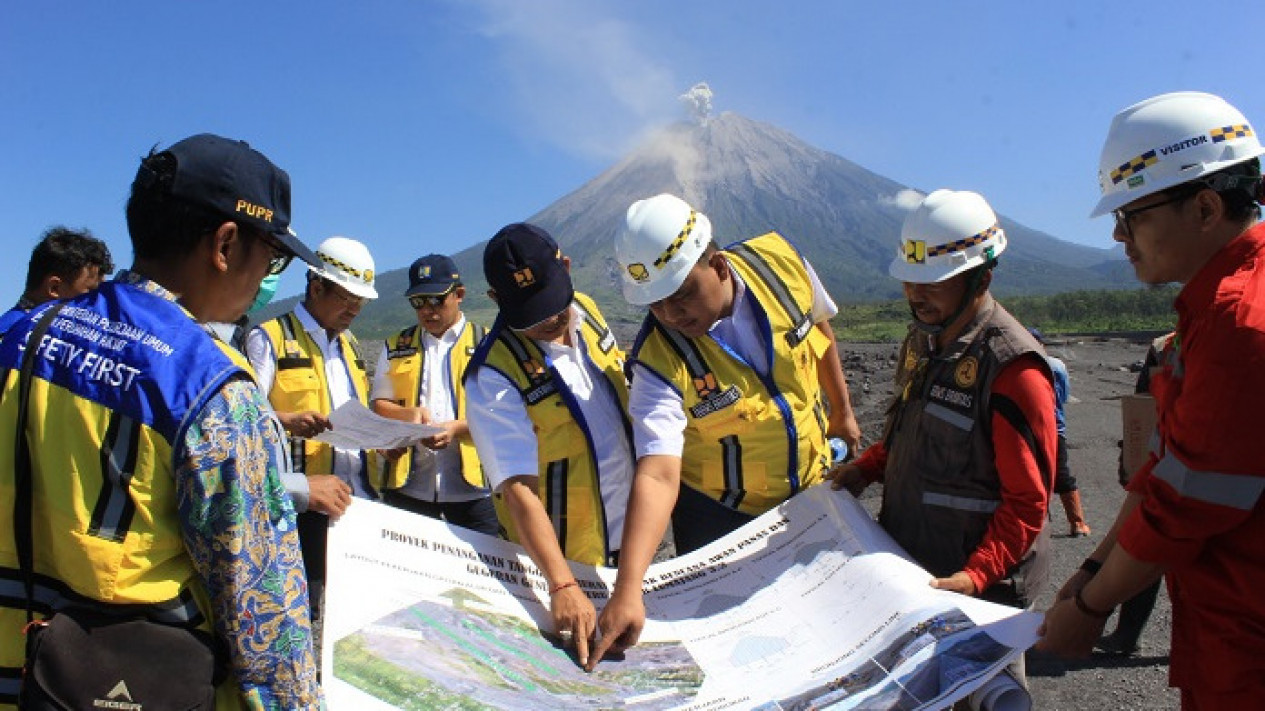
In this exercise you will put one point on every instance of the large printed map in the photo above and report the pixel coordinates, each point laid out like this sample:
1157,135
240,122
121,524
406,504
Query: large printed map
809,606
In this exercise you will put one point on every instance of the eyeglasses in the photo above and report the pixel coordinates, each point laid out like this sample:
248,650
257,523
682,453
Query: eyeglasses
281,257
343,295
1123,216
418,301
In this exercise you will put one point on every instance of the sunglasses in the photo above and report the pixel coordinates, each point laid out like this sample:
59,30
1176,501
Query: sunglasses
418,301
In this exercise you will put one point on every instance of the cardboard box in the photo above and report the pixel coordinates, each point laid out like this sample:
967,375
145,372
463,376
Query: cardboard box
1138,416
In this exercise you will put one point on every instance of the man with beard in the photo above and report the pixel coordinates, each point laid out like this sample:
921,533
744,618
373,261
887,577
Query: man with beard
970,443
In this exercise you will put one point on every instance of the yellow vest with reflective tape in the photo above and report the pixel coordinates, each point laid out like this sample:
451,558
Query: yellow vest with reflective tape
405,364
750,442
106,527
300,385
567,476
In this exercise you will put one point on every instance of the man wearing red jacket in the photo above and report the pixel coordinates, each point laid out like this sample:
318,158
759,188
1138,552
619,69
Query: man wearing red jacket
1181,174
968,451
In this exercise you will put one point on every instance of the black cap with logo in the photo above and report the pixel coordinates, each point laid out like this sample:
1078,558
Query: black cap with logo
432,275
524,265
236,181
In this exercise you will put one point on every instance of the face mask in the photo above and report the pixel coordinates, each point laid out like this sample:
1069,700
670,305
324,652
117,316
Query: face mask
267,288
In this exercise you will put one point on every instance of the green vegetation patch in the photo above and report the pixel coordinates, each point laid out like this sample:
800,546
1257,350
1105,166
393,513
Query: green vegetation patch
1145,309
381,679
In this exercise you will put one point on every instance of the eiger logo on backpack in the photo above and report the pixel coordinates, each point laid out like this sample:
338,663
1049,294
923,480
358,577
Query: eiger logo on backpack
118,698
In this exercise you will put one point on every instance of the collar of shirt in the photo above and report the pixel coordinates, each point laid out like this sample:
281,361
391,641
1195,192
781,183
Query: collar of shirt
739,309
220,331
1201,291
448,338
132,278
314,329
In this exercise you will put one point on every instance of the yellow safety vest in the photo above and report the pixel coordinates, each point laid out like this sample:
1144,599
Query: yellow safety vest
110,534
568,482
405,364
300,386
751,442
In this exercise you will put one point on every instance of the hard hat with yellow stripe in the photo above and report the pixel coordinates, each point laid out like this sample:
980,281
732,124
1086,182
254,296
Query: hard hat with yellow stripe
1168,140
950,232
661,240
347,263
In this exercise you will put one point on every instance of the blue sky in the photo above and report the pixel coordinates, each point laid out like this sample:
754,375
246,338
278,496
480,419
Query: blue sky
425,125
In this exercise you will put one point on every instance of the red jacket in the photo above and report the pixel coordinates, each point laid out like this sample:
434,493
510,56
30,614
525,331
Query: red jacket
1203,511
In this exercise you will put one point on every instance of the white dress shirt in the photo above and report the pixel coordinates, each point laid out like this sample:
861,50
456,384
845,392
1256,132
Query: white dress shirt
506,441
348,463
435,475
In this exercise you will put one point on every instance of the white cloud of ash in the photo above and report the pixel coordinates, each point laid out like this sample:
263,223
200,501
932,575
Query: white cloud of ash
682,153
907,199
698,102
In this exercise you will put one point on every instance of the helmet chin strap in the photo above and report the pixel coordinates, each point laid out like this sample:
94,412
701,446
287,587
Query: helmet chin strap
933,330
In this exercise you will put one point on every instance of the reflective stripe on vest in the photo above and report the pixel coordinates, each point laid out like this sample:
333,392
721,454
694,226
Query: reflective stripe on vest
52,594
961,503
564,469
114,508
554,488
956,419
800,318
732,457
295,350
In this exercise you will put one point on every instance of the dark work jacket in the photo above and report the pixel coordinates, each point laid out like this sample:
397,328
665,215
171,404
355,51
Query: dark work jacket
941,484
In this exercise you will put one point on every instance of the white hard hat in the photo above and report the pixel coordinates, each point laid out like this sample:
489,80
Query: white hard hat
348,264
1168,140
661,240
950,232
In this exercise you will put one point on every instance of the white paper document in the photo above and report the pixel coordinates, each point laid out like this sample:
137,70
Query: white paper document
809,606
358,427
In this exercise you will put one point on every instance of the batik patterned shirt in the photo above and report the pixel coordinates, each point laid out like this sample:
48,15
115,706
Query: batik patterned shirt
239,529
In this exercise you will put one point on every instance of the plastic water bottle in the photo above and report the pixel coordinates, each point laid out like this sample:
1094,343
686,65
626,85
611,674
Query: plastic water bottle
838,450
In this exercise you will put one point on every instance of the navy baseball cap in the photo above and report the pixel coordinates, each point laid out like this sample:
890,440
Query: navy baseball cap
432,275
524,265
237,181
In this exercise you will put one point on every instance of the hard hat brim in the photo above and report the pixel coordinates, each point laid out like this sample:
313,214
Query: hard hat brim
639,294
364,291
903,271
1120,198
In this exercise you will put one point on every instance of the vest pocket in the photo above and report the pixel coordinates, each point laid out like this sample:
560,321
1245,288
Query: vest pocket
300,388
728,471
947,435
809,354
945,538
